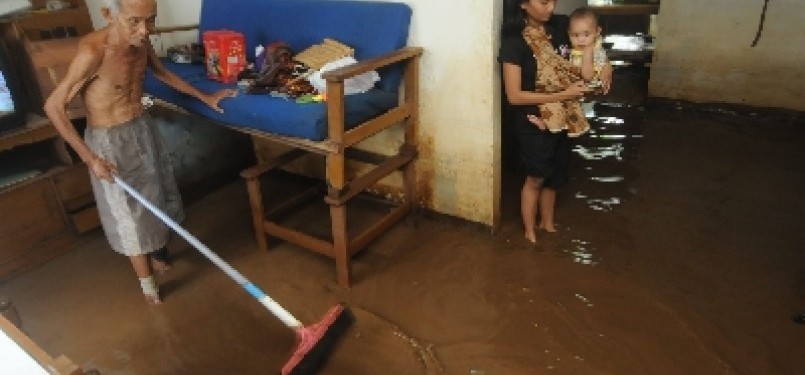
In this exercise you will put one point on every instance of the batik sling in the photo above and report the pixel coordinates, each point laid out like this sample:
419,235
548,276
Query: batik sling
554,74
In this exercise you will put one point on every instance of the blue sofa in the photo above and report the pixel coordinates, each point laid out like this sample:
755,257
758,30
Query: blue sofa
378,32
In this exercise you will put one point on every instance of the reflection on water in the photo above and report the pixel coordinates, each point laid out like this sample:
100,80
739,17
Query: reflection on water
581,252
599,153
585,300
603,167
608,179
609,120
614,132
599,204
603,204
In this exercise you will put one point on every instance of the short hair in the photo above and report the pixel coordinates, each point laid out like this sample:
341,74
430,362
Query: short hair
113,5
584,12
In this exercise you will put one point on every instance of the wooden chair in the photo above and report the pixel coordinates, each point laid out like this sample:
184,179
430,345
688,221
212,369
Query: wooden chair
337,149
381,36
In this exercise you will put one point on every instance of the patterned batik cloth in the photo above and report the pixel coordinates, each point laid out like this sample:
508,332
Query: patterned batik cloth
554,74
138,151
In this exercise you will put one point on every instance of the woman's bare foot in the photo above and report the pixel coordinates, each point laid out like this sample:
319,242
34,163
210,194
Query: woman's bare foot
531,237
550,228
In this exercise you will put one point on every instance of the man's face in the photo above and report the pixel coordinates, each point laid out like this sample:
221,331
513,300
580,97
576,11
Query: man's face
137,18
583,32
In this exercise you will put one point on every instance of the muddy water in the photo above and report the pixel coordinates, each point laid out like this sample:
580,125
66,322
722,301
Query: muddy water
680,252
686,230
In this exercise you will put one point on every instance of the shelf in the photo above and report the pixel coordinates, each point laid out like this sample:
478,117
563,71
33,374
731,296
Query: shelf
37,129
626,9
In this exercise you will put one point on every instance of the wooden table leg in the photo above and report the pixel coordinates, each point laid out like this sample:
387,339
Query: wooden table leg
343,265
256,203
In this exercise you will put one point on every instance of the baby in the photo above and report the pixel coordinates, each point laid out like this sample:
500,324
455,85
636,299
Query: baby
584,32
587,59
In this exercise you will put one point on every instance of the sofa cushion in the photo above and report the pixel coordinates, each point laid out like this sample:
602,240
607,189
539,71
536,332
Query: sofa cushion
266,113
371,28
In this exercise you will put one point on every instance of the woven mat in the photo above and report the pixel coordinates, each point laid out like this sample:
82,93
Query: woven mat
317,55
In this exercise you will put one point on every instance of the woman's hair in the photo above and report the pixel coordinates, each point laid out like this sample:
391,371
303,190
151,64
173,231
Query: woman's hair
113,5
513,17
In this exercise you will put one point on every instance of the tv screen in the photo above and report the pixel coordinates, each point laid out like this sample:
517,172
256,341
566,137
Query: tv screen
12,100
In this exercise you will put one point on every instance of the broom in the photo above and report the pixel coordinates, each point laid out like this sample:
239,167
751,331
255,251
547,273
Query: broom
314,342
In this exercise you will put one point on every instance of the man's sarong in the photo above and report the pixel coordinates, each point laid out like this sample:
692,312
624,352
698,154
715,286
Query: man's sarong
138,151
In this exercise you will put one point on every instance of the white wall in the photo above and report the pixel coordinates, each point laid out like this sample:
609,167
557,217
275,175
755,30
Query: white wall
459,133
460,112
703,53
169,13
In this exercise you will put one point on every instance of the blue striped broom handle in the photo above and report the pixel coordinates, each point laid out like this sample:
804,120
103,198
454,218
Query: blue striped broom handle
264,299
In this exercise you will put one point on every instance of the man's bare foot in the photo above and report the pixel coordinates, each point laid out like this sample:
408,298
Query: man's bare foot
159,266
152,299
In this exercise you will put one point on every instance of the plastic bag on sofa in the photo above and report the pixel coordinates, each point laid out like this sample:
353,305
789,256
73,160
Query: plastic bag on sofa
355,85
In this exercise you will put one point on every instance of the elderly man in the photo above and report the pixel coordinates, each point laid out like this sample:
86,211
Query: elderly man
120,138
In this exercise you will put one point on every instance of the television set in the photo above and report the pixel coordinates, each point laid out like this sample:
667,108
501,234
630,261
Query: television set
13,105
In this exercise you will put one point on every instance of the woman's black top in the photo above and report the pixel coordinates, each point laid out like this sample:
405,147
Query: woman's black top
542,154
515,50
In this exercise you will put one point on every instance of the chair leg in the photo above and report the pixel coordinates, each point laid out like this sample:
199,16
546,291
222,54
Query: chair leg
343,267
256,203
409,182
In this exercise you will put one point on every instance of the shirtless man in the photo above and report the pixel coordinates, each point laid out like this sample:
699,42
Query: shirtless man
109,70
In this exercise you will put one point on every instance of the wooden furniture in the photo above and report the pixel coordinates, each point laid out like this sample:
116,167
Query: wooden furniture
628,21
626,9
47,199
626,18
41,24
332,129
43,62
337,149
43,214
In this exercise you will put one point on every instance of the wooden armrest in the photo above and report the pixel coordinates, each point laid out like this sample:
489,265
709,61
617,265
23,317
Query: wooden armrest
341,74
170,29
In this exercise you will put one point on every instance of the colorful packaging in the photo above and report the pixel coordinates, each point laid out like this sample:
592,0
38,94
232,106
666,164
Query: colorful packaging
225,54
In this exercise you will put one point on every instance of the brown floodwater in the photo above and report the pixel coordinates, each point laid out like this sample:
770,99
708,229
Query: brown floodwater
680,251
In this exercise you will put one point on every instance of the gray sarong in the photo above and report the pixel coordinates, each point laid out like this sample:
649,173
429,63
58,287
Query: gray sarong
138,151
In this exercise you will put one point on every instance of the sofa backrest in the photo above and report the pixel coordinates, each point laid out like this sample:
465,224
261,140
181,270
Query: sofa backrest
371,28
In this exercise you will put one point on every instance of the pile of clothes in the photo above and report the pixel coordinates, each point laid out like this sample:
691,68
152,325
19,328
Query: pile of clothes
279,72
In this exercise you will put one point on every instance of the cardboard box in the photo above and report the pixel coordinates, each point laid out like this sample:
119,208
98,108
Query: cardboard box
225,54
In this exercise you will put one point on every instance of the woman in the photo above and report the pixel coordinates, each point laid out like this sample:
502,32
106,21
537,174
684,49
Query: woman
527,26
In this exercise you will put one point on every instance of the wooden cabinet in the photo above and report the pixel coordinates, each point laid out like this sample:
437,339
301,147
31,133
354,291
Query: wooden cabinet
41,24
45,199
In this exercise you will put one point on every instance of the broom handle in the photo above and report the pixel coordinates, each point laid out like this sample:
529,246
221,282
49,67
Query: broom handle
267,301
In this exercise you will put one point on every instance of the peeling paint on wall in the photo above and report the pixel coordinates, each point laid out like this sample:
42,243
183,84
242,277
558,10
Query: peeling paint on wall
458,169
704,54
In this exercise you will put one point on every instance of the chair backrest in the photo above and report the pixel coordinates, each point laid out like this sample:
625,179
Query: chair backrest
371,28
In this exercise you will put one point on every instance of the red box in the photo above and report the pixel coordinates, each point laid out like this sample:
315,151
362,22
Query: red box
225,54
